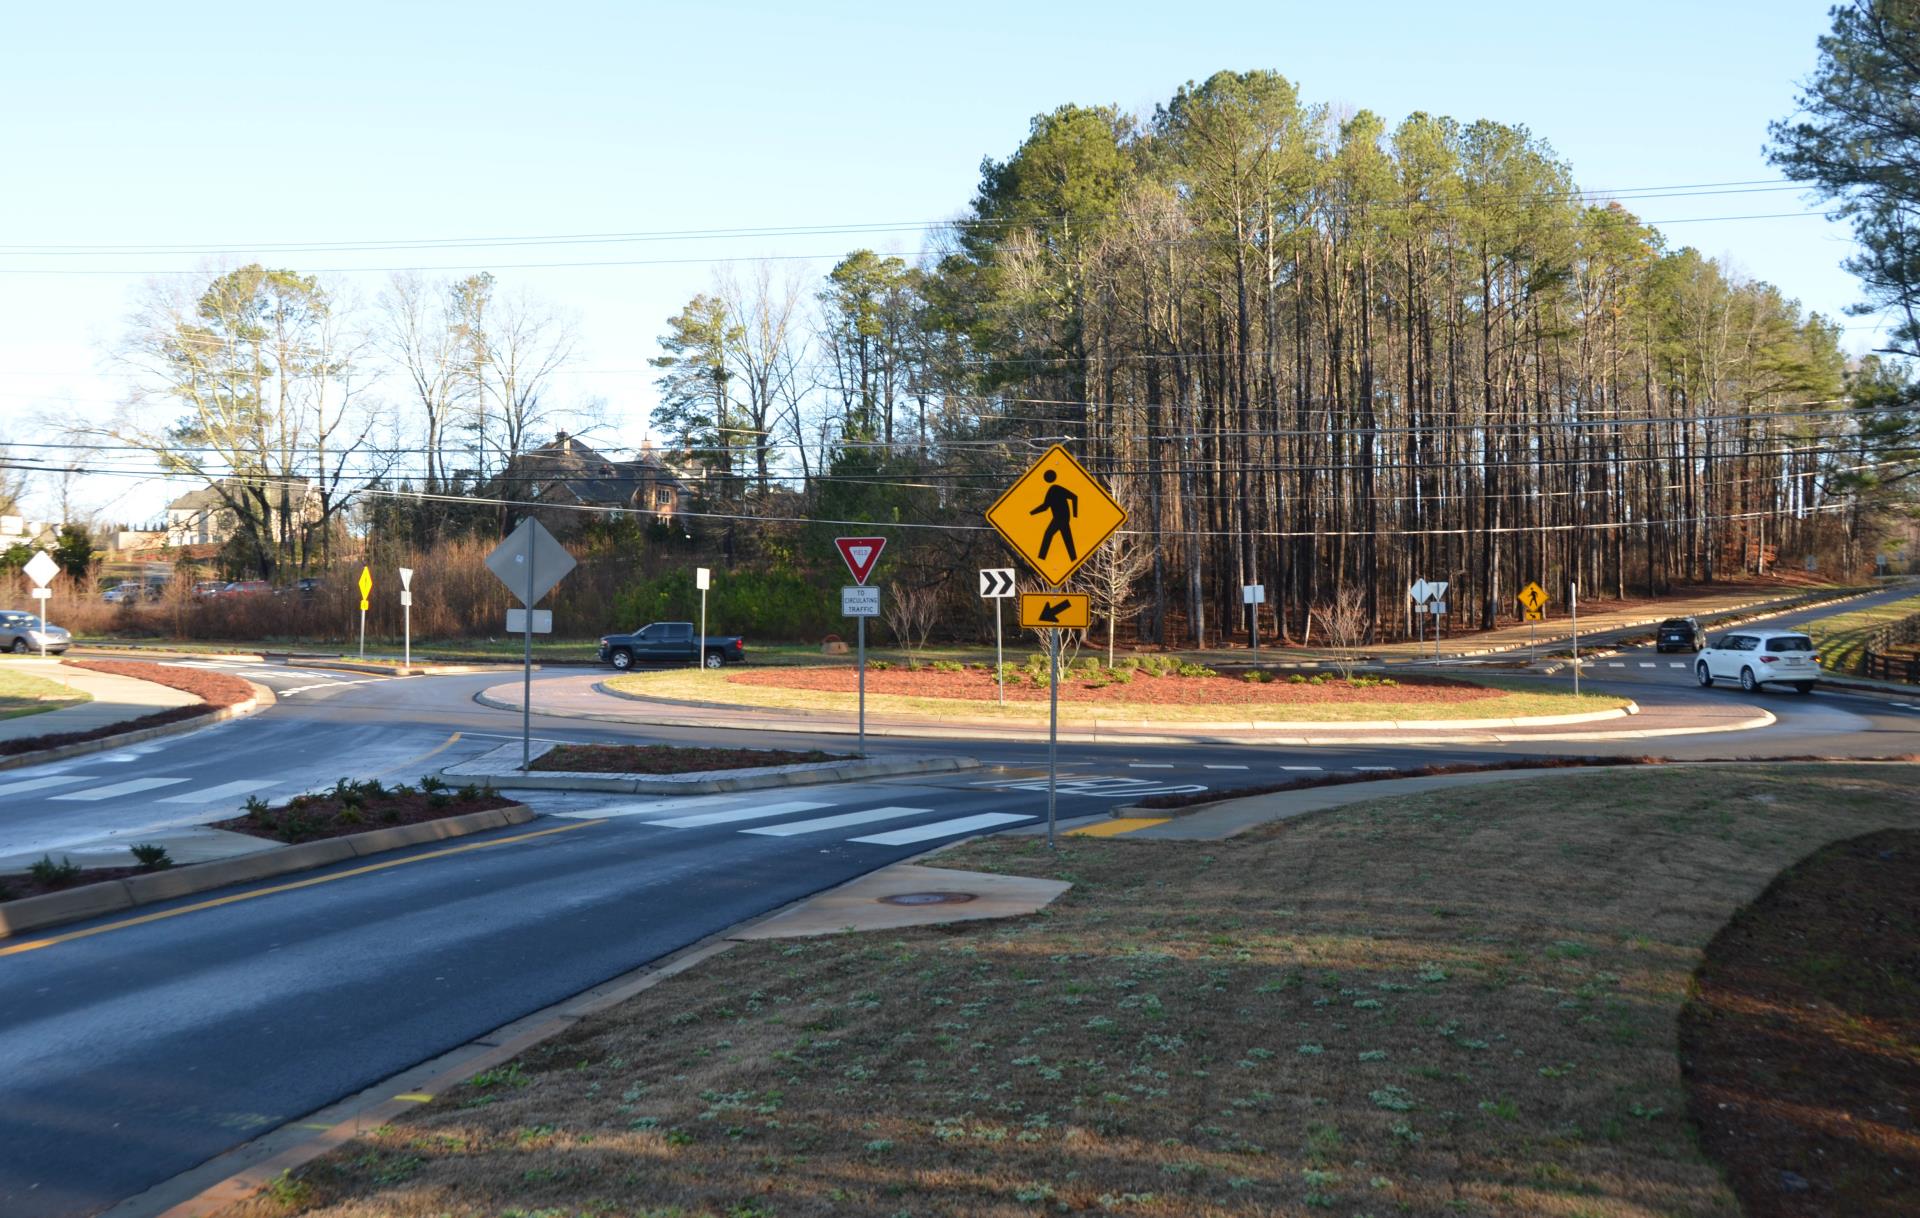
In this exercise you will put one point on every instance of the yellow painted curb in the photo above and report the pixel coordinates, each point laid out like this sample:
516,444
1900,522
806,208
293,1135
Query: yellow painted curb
1117,826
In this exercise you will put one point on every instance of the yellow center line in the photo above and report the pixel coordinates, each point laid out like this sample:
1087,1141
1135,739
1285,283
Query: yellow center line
217,902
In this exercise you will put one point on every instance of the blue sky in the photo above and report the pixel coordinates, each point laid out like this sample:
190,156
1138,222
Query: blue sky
244,126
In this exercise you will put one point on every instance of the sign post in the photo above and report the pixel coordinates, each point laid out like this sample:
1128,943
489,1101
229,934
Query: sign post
366,587
41,569
529,562
1573,606
860,602
1055,516
406,619
1255,595
996,585
702,578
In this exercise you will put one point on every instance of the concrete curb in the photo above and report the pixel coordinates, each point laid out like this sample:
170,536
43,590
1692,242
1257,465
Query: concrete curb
384,668
110,896
720,782
262,699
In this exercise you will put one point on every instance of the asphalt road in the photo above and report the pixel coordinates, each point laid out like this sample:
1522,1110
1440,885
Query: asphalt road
133,1050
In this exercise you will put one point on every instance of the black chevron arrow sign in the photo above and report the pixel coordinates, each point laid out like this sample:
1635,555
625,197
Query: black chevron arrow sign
996,582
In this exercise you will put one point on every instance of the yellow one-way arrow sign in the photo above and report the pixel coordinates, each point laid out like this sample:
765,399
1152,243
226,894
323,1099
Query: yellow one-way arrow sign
1056,515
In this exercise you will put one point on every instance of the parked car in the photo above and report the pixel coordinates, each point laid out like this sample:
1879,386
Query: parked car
248,587
1679,634
671,642
122,594
21,632
207,589
1760,657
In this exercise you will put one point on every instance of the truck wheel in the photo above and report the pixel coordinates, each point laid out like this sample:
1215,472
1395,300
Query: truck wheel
1746,680
622,658
715,659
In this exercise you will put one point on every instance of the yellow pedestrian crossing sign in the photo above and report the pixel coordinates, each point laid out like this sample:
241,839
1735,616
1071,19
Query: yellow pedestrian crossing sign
1533,598
1056,515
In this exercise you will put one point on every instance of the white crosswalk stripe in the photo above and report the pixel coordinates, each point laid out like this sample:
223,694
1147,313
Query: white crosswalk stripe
1226,767
757,812
945,828
1646,664
1149,765
132,786
36,784
842,821
226,790
1375,769
1300,767
647,807
1675,664
1616,665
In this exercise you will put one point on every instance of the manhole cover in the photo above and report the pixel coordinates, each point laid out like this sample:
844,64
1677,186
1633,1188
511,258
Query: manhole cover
927,898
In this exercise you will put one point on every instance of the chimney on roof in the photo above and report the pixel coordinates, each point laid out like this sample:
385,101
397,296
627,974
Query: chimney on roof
562,440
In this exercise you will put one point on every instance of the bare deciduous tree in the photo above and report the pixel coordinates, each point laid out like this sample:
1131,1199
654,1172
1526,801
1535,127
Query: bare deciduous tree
1345,621
910,612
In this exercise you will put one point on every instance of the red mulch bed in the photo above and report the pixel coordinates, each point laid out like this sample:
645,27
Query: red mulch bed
215,690
1801,1045
668,759
975,685
14,887
310,818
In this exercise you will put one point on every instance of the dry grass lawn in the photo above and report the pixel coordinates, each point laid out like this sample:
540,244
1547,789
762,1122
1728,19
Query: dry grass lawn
1842,639
1462,1003
1518,698
25,694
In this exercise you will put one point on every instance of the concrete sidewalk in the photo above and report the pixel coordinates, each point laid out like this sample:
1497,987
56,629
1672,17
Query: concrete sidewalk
1235,816
115,700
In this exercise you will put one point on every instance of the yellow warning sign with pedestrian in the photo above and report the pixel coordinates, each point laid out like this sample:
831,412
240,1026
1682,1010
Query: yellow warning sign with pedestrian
1056,515
1533,599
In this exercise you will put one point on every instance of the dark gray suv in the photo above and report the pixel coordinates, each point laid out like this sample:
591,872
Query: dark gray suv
1679,634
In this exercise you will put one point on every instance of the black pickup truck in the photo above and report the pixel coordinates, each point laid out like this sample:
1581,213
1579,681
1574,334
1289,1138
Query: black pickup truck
671,643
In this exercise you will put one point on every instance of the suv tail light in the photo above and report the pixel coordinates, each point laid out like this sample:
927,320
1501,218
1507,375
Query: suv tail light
1768,659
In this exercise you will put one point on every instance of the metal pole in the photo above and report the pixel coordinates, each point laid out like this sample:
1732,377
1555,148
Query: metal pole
1053,734
406,647
43,625
363,633
999,656
1253,608
1573,603
526,669
700,648
863,684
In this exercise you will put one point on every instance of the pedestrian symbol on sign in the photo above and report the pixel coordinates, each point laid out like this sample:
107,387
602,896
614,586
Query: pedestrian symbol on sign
1064,505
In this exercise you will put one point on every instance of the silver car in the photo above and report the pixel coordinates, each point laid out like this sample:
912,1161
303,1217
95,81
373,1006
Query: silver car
21,633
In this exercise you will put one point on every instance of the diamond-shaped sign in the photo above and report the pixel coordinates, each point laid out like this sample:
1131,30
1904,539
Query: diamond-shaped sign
860,553
530,562
1056,515
1533,598
41,568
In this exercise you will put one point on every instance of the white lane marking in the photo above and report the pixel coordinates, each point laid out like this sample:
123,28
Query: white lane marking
130,787
1226,767
1300,767
755,813
1646,664
644,807
225,790
1149,765
822,824
35,784
945,828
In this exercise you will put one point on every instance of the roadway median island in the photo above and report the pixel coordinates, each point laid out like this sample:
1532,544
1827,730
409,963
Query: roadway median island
1395,1006
25,693
215,692
1177,694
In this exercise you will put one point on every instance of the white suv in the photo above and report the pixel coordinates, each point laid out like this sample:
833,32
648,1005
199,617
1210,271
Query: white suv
1759,657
